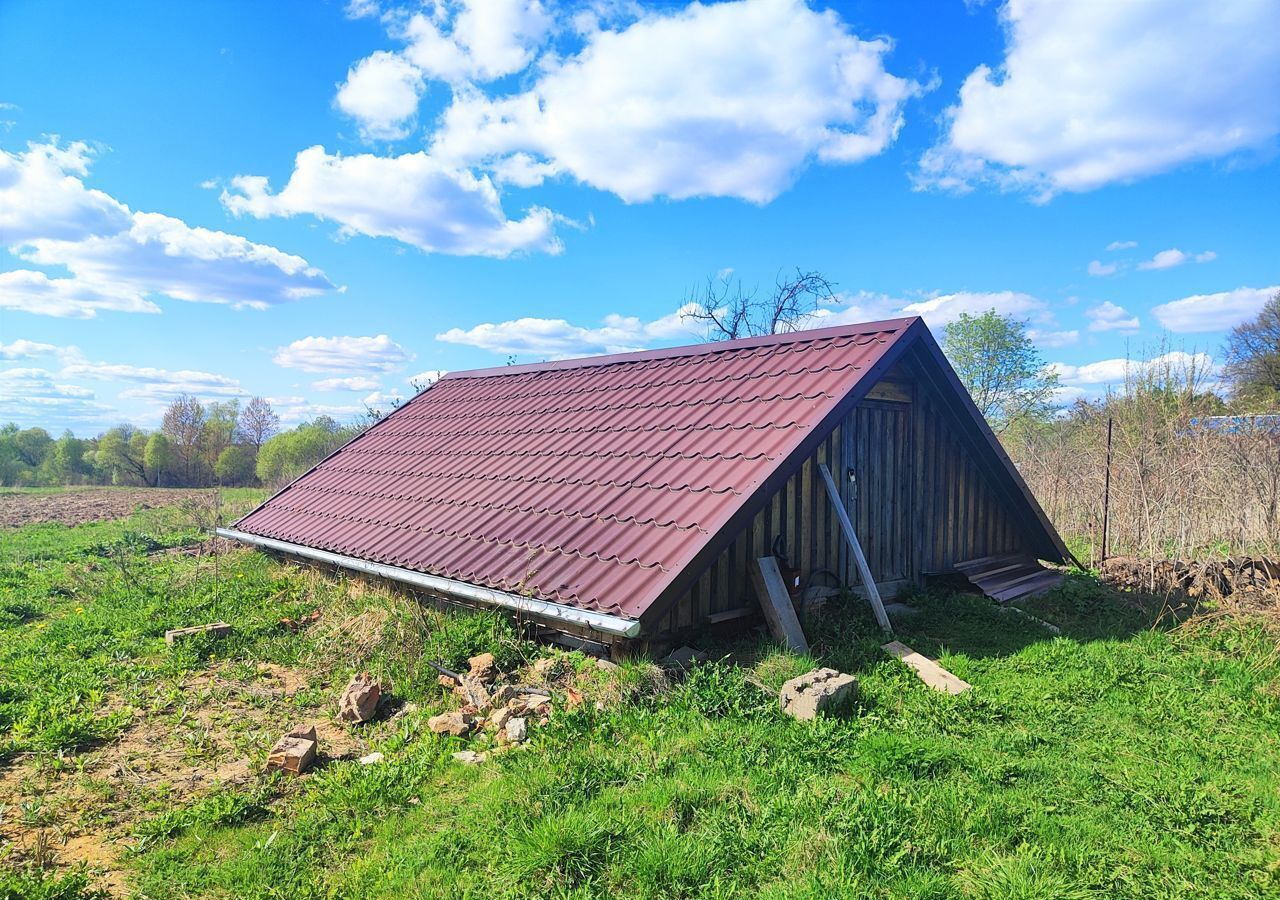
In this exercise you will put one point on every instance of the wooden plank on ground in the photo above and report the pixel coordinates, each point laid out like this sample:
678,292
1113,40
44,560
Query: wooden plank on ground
929,671
868,583
776,604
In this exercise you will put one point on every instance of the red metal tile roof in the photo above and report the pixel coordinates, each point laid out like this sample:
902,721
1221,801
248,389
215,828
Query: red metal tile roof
587,482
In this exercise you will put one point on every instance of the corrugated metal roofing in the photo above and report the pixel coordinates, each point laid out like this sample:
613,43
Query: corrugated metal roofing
587,482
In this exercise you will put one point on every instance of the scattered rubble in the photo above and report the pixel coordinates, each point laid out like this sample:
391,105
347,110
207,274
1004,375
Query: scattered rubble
295,752
213,630
821,691
359,702
458,723
607,664
371,759
470,757
517,730
483,667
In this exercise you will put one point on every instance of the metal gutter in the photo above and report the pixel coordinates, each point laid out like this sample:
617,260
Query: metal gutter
615,626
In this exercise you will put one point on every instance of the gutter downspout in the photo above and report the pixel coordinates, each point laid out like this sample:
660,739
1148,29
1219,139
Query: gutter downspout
615,626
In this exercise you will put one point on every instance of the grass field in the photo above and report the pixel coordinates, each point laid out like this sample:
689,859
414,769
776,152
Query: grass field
1119,759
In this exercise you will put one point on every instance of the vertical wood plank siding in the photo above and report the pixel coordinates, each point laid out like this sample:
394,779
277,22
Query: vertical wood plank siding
905,454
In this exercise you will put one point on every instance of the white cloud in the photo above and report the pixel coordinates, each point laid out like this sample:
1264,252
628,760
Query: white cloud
35,292
1206,256
381,93
351,383
34,397
1165,259
729,99
559,339
946,308
24,349
119,259
1114,371
539,338
412,198
42,196
431,376
1053,338
1107,316
159,385
293,410
485,40
343,354
1094,93
361,9
1213,312
1099,269
1122,245
162,255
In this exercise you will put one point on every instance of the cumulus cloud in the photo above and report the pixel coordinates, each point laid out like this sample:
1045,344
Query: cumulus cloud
159,385
343,354
42,196
1107,316
1053,338
1094,93
24,349
32,396
35,292
1112,372
1213,312
119,259
558,339
381,93
943,309
482,41
413,198
1121,245
1098,268
350,383
729,99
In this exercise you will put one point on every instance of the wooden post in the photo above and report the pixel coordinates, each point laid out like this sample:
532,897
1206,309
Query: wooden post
1106,497
776,603
873,593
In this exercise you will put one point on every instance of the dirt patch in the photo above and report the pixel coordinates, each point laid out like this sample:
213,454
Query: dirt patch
58,813
75,506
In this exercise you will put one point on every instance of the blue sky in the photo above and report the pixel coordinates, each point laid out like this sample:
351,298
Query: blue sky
316,202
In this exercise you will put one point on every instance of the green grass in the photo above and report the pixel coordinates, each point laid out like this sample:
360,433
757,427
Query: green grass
1115,760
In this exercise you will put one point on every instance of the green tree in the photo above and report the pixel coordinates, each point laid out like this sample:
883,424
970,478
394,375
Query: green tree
290,453
158,459
66,463
120,458
235,465
1001,367
1253,360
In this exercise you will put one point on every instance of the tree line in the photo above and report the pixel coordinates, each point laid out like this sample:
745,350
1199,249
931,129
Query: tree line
197,445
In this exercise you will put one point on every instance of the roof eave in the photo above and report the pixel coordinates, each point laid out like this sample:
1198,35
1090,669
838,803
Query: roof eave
542,610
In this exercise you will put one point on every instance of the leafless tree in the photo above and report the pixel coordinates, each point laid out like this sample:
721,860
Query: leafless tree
258,421
729,311
183,425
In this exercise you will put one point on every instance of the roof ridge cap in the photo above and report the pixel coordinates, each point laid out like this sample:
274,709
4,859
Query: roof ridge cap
689,350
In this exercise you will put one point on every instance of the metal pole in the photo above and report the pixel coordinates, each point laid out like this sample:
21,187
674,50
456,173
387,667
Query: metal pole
1106,496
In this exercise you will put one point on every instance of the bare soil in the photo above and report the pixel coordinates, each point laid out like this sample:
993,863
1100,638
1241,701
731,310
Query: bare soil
74,506
83,811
